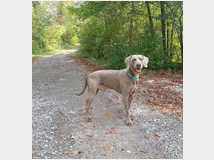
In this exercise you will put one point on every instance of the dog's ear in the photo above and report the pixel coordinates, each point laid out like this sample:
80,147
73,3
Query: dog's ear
145,61
128,61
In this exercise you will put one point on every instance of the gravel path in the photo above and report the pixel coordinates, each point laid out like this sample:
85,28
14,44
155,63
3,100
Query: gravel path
59,129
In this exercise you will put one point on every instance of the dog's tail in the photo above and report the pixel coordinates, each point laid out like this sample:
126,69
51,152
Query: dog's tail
83,88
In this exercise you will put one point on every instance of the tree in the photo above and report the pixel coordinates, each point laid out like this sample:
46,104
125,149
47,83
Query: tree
150,17
163,24
52,27
112,30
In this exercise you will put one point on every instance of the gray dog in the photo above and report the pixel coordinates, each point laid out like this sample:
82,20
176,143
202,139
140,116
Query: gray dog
123,81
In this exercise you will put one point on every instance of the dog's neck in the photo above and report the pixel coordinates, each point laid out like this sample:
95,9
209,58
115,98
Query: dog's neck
132,72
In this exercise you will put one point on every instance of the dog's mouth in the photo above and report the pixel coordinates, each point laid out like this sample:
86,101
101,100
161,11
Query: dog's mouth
138,70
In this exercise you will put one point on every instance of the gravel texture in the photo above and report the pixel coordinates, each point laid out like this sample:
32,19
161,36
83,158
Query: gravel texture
59,125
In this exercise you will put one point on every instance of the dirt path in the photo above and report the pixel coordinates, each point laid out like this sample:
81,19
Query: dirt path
58,119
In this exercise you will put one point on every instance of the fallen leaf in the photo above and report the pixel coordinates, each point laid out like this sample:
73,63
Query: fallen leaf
145,151
65,152
79,153
107,147
108,115
61,112
165,110
122,117
33,153
123,149
113,132
105,157
156,135
60,90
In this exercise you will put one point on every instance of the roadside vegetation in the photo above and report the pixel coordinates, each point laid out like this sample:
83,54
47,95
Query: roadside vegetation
106,32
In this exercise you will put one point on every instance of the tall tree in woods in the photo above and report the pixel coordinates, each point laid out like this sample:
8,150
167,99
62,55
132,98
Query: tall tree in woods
163,24
180,33
112,30
150,17
53,28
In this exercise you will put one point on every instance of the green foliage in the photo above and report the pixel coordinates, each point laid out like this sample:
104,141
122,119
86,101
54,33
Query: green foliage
52,37
112,30
116,56
53,28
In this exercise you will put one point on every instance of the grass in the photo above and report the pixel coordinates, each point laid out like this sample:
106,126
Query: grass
37,56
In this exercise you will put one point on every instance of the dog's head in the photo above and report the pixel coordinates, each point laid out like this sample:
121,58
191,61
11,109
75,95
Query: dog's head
137,62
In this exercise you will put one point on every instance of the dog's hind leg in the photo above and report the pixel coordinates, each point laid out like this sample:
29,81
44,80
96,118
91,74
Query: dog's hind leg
92,92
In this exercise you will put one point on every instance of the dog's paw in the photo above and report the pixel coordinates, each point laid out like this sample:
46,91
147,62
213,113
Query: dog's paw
129,123
89,119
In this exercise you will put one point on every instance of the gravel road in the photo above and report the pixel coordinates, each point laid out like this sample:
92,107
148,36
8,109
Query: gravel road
60,131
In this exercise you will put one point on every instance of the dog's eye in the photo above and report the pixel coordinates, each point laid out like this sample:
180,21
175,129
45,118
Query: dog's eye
134,60
140,59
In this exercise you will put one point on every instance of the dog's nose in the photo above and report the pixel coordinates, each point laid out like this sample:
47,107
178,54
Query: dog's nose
138,65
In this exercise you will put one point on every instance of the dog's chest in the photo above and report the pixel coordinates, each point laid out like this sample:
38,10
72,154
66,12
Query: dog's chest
133,87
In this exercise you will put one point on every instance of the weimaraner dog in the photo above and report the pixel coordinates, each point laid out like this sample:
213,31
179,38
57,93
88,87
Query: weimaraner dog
124,81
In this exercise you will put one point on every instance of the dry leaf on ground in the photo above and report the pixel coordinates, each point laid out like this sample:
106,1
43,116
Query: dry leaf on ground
107,147
165,110
145,151
156,135
61,112
112,130
79,153
108,115
33,153
66,152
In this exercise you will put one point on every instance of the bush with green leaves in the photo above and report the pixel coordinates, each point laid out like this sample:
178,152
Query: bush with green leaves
112,30
53,28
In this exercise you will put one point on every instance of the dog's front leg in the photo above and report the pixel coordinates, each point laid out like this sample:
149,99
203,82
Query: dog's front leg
126,105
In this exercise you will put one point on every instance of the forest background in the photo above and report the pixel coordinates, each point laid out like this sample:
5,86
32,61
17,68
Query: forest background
109,31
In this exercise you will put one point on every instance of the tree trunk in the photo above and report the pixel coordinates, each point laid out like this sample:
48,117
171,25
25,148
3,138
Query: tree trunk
131,27
171,39
180,34
163,24
167,40
150,18
181,38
